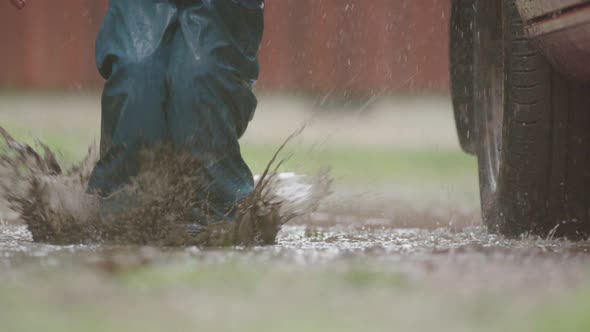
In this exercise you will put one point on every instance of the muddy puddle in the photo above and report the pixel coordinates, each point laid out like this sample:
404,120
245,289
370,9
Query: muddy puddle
310,242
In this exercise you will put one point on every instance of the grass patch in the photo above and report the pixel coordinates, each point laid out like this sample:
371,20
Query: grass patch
348,165
366,277
231,276
573,316
248,296
69,148
372,165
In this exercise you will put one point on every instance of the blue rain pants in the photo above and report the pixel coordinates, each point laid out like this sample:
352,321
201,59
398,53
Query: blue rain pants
179,72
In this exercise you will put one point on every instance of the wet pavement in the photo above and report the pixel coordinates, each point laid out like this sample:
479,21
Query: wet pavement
421,249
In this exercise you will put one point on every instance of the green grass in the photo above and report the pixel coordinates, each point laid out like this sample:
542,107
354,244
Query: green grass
68,147
348,165
571,315
247,296
371,165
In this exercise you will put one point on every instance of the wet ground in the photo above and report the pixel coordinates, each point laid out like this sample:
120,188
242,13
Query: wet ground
328,272
322,238
322,275
396,249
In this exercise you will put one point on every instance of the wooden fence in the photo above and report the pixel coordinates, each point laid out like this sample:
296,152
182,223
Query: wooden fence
317,46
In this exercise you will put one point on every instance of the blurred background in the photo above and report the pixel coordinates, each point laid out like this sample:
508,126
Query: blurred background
349,47
368,79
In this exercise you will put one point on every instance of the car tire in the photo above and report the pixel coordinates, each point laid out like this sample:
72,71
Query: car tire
462,35
533,131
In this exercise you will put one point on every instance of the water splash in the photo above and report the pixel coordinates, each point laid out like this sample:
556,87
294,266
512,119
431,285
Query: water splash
155,208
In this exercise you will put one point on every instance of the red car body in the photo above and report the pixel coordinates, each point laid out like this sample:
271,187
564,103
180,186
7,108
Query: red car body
562,30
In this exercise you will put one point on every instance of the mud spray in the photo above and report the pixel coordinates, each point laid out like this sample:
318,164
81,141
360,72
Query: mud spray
156,206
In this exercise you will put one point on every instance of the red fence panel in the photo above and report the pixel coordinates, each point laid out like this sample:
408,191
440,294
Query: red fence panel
318,46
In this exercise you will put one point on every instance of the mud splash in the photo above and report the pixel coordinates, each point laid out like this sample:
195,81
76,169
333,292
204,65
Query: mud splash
155,208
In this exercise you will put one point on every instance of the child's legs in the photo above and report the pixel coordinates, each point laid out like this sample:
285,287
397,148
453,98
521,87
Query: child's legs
210,107
134,94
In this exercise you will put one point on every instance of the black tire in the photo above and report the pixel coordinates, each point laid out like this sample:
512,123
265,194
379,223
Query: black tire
533,128
461,54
